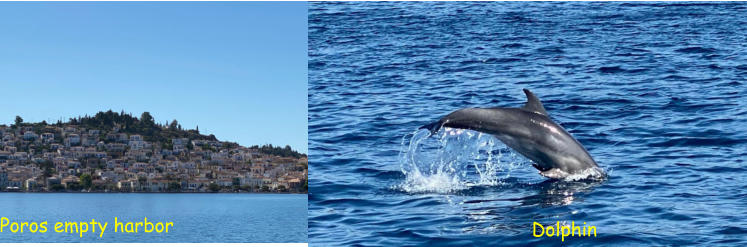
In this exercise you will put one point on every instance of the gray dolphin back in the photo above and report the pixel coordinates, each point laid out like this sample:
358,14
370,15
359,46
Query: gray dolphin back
528,130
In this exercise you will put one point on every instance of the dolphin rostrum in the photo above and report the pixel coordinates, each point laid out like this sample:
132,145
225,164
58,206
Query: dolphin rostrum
528,130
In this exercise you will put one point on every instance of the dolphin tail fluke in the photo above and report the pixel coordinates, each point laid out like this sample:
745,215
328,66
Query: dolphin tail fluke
433,127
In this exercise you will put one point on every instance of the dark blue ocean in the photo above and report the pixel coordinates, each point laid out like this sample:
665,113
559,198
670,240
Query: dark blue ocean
654,91
253,218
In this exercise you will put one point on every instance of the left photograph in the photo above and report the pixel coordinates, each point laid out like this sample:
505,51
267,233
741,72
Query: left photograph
153,122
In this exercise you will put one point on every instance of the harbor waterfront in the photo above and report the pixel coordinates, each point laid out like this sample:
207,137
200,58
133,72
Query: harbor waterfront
196,217
116,152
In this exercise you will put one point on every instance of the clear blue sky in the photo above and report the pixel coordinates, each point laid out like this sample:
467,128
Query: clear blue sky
238,70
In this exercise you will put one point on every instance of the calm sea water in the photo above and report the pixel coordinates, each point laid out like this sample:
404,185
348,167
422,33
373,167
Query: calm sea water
196,217
655,92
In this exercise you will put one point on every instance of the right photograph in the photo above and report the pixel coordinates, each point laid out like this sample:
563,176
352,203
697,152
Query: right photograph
527,123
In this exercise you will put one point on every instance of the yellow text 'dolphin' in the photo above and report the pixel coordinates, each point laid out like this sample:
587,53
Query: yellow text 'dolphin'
562,231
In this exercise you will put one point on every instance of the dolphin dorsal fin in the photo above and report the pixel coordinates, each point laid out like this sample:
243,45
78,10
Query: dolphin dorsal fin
533,103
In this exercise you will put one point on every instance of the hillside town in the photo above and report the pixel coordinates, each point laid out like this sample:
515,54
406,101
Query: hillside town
106,153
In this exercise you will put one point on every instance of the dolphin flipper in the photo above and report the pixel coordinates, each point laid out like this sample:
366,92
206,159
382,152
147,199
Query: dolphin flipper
539,167
433,127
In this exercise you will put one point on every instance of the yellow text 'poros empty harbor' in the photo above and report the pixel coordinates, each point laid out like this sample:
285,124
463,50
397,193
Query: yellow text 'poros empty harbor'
83,227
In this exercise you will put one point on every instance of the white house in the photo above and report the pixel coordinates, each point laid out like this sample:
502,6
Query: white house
30,136
72,140
30,184
47,137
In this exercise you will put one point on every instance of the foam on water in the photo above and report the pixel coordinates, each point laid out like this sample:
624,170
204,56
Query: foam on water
457,159
593,173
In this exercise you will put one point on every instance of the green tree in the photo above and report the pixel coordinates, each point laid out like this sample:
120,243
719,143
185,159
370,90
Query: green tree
175,186
19,120
57,187
146,118
246,188
141,181
86,181
47,168
174,124
214,187
74,186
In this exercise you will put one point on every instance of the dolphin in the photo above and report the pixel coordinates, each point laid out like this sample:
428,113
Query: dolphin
528,130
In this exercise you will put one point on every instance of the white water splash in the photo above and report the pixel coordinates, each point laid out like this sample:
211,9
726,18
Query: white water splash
453,160
593,173
456,159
